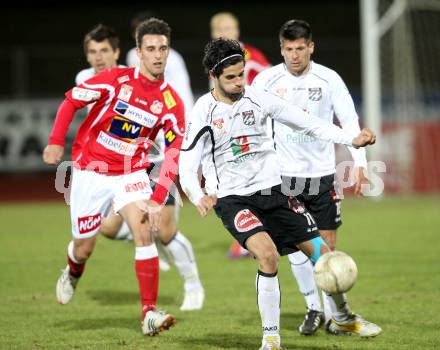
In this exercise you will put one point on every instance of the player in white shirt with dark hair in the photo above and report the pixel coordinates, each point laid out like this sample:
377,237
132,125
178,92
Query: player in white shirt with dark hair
101,48
230,124
308,164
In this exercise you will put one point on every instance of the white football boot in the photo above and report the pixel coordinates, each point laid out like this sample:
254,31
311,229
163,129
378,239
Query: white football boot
156,321
66,286
355,325
193,300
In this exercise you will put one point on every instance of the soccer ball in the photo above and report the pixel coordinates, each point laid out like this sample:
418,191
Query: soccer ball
335,272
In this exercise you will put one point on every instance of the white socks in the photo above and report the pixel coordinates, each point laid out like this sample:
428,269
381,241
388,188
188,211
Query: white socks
302,269
339,307
268,296
180,249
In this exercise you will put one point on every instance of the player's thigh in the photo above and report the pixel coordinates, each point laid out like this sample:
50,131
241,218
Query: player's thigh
167,226
326,206
262,247
239,217
111,224
90,198
290,224
130,193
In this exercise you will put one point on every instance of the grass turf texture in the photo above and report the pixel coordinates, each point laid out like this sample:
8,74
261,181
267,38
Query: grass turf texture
394,241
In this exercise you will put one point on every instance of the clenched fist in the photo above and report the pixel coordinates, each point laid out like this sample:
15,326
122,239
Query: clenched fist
366,137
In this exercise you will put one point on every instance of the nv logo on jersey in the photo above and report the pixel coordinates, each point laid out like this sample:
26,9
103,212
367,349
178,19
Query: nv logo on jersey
124,128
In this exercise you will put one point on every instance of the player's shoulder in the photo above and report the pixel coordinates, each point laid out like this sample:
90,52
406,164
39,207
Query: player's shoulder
203,107
324,72
270,75
84,75
170,96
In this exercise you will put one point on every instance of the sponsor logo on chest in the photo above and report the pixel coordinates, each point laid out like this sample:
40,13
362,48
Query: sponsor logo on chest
156,107
135,114
115,145
125,92
218,123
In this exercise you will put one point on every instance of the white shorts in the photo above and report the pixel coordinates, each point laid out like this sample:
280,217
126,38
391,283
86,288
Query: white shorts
93,194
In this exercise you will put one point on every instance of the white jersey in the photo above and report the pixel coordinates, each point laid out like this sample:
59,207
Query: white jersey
87,73
319,92
244,158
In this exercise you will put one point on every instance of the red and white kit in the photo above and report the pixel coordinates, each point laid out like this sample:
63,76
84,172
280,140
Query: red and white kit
113,141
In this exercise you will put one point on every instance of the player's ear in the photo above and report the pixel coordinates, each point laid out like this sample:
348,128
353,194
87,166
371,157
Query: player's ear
138,52
117,53
311,47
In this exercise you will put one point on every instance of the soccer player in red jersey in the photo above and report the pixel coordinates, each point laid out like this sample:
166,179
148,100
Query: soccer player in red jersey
130,106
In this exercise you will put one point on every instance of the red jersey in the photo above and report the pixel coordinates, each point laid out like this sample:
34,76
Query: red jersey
128,111
255,62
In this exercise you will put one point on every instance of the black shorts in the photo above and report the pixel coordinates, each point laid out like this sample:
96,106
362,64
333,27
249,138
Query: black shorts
320,198
284,218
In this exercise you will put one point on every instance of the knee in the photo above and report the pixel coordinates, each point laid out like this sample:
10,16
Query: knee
269,260
83,253
167,231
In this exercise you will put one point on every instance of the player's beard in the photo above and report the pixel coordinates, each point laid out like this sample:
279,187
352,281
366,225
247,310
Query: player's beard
232,96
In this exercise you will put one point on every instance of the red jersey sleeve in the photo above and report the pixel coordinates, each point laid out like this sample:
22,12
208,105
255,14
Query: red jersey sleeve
98,88
173,124
90,91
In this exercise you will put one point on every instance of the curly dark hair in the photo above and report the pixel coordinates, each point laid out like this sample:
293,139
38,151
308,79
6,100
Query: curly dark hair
100,33
152,26
221,53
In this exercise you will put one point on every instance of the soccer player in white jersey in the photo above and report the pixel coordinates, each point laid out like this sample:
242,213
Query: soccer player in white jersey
230,123
308,164
101,46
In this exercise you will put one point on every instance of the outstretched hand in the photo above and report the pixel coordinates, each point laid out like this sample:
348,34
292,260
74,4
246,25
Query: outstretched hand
205,204
366,137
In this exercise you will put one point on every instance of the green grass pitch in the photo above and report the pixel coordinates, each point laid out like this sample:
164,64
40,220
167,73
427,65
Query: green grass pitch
395,242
